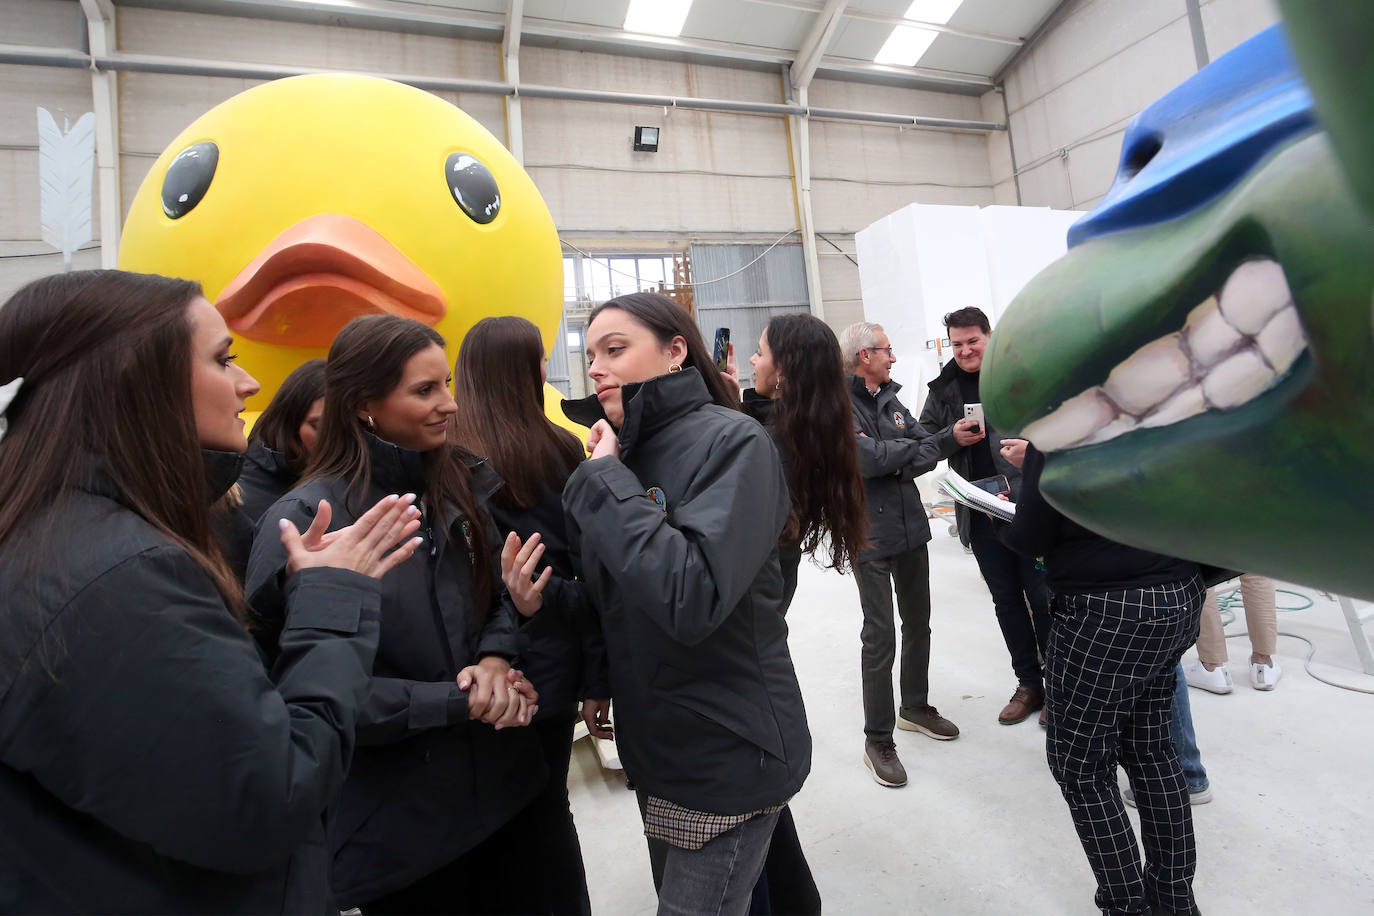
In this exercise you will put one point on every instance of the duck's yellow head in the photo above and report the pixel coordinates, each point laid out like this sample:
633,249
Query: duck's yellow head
305,202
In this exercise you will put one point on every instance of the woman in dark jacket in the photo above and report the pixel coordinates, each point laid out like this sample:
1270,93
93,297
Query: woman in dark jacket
148,763
801,395
437,769
675,521
282,439
1122,618
499,386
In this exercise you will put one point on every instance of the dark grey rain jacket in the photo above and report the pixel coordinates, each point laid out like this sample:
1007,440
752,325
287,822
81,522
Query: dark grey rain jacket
148,762
427,784
893,451
677,539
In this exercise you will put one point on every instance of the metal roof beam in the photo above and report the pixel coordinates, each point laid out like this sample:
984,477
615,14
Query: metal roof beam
816,41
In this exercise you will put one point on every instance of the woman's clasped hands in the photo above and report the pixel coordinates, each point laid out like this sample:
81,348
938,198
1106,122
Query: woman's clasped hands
498,694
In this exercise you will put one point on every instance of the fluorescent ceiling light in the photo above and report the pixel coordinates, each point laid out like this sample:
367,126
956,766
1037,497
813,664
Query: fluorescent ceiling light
657,17
908,43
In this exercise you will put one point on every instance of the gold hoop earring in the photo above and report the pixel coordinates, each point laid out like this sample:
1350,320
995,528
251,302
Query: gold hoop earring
777,386
371,423
674,367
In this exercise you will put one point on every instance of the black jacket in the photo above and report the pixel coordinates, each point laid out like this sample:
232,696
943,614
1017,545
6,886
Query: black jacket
893,451
1078,560
943,408
561,648
148,762
265,478
707,708
426,784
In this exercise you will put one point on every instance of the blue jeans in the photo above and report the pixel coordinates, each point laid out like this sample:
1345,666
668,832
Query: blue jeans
716,880
1185,741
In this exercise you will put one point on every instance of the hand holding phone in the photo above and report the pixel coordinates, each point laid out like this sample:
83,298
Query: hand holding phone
974,412
721,353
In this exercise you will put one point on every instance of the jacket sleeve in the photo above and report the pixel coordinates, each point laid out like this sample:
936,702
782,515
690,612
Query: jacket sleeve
500,632
154,715
935,423
392,708
1032,533
884,457
687,576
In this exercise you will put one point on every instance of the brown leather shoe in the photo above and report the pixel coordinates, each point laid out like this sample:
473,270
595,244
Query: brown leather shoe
1023,702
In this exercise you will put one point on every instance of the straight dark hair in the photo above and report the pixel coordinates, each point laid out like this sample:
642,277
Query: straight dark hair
500,395
279,426
968,317
106,360
666,319
366,362
812,422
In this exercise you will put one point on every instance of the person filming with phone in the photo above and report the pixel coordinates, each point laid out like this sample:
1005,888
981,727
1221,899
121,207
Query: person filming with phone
954,413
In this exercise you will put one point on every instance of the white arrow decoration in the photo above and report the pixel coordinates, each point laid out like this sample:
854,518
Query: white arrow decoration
66,163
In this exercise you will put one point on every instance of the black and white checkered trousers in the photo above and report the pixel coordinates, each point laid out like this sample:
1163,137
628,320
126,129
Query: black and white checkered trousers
1109,687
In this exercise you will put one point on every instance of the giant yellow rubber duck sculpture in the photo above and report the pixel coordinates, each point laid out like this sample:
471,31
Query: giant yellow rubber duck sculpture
302,203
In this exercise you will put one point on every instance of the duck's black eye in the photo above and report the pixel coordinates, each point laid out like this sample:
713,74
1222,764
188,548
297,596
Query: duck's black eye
188,178
473,187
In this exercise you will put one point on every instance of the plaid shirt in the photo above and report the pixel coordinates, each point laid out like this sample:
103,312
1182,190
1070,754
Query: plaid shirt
688,829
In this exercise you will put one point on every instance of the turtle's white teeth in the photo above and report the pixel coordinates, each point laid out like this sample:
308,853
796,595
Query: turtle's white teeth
1231,348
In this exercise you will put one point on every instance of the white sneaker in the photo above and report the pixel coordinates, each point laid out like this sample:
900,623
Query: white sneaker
1217,680
1264,677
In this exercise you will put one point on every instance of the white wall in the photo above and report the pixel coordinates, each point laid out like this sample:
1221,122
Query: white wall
1101,61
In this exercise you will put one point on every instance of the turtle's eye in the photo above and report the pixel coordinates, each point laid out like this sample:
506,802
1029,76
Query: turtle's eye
473,187
188,178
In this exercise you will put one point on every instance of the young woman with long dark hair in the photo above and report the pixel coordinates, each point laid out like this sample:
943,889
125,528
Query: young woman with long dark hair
675,521
437,769
499,386
147,761
799,375
801,396
282,439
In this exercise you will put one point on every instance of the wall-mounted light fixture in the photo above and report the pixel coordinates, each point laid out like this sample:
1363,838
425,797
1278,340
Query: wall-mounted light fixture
646,139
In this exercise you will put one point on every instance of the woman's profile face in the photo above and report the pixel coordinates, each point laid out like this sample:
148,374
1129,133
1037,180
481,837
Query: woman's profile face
766,378
622,350
219,387
416,412
309,431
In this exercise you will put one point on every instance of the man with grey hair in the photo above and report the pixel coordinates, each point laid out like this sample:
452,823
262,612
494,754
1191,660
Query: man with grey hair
893,451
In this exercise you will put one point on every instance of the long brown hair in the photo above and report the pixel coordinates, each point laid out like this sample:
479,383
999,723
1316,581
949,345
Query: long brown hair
366,362
106,360
500,394
812,421
279,426
667,320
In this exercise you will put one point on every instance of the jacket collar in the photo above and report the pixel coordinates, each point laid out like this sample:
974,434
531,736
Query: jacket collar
758,406
649,406
948,372
269,459
857,383
395,469
221,472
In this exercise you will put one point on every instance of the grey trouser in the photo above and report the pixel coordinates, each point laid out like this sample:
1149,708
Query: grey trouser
909,574
716,880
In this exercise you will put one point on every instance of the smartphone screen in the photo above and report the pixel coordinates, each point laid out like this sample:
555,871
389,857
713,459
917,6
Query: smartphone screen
993,485
722,348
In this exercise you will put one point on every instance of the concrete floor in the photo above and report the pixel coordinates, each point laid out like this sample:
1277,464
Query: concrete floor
982,829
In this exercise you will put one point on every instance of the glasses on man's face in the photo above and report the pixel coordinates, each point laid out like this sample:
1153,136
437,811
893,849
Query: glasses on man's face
887,348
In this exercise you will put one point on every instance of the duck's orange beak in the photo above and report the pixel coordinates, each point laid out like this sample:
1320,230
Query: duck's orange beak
320,274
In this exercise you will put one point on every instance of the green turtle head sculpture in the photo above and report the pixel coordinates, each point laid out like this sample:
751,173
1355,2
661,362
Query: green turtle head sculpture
1199,368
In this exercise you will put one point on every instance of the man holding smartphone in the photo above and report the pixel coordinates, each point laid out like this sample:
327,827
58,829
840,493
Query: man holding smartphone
954,413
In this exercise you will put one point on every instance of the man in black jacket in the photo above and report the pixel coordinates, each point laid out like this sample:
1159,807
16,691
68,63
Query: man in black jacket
893,451
1019,594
